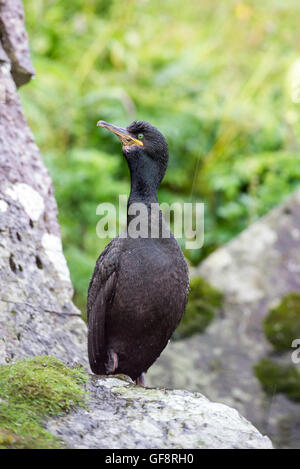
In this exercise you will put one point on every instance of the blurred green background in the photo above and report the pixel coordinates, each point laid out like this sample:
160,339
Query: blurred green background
221,80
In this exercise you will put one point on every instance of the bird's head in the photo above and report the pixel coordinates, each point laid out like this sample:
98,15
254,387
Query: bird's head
144,147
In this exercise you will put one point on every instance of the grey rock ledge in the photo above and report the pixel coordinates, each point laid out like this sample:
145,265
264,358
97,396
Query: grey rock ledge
122,415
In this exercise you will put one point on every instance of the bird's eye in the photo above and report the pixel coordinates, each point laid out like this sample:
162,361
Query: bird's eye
140,136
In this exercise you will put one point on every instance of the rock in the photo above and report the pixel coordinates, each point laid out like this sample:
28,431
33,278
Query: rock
253,271
14,40
122,415
37,315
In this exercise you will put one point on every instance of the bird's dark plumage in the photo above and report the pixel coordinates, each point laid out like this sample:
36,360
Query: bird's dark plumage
138,291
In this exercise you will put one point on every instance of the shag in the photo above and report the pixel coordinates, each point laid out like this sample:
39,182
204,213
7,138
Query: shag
138,292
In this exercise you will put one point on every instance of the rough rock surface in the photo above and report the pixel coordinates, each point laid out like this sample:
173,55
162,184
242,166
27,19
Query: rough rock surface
254,271
14,40
122,415
37,315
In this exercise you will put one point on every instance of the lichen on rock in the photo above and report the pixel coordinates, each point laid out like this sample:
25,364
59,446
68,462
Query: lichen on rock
278,378
46,404
282,324
282,328
204,302
122,415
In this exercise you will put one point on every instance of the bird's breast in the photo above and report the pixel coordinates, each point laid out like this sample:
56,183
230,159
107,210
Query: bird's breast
151,278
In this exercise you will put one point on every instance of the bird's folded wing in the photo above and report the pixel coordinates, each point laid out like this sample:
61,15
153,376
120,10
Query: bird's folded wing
100,296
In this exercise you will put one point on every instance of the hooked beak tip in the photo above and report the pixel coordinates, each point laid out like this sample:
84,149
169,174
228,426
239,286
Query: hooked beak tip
100,123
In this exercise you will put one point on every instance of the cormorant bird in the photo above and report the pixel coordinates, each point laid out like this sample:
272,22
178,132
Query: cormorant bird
138,291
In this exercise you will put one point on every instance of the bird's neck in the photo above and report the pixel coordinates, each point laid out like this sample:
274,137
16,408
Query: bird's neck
142,192
142,195
145,180
144,185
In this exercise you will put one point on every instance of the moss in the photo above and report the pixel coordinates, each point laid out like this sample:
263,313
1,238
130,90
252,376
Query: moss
276,378
282,324
30,391
203,303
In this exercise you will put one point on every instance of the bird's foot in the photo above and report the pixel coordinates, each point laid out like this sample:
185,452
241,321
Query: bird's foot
140,381
112,362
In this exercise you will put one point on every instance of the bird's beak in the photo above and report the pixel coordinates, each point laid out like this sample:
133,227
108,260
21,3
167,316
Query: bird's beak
123,134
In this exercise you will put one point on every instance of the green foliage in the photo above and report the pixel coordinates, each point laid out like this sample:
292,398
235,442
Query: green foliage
282,324
215,77
31,390
203,303
276,378
281,327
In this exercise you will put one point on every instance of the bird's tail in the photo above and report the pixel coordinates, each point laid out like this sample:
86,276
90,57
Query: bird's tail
96,338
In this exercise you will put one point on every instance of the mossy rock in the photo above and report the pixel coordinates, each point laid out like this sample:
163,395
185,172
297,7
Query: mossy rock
276,378
203,303
282,324
31,390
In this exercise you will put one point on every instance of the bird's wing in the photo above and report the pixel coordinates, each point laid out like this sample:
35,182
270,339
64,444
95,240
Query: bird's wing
100,296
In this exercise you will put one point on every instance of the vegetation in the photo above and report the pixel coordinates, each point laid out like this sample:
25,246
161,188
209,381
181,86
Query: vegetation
221,80
30,391
281,327
282,324
204,302
276,378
